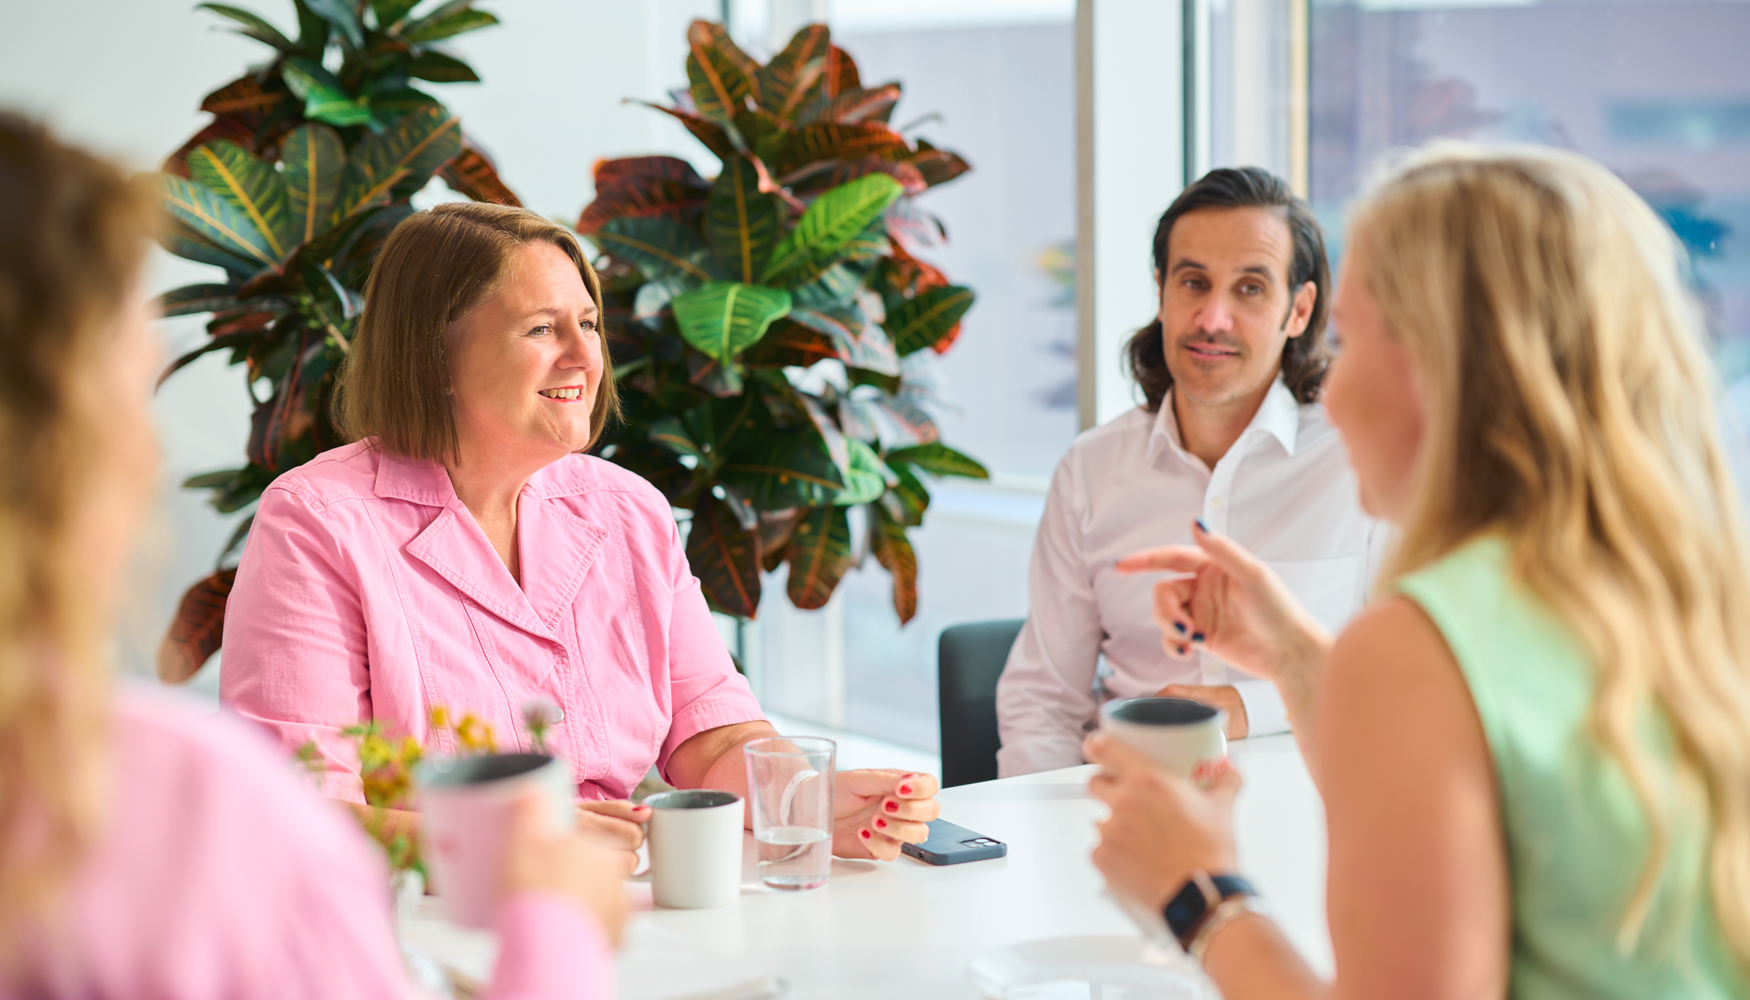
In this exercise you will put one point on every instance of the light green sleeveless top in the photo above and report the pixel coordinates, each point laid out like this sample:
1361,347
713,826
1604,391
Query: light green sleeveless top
1576,835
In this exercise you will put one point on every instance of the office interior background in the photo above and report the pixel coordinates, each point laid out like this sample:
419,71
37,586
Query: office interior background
1081,120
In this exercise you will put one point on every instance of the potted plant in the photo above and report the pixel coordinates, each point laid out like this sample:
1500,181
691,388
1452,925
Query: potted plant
767,325
290,189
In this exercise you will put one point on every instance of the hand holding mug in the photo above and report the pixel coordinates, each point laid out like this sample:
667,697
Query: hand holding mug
1162,827
618,824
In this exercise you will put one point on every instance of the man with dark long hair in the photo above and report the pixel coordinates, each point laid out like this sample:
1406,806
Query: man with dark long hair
1230,433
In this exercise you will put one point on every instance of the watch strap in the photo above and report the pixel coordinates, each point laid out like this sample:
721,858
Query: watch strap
1198,898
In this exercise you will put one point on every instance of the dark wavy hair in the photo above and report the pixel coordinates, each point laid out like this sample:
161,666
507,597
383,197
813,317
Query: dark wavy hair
1304,358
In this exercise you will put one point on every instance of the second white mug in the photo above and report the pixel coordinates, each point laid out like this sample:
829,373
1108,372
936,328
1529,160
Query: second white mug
695,848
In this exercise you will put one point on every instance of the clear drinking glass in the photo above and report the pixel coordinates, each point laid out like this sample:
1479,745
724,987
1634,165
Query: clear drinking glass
789,782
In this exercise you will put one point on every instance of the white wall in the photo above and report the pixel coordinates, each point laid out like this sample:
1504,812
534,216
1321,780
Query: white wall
126,78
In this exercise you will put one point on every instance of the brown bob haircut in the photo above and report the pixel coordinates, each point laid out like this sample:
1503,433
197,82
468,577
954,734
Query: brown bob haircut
1304,358
435,267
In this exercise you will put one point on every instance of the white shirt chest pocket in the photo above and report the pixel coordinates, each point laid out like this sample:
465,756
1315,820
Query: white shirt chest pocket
1329,588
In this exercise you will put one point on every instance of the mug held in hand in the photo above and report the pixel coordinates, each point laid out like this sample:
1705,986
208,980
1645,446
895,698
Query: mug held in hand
1175,733
467,806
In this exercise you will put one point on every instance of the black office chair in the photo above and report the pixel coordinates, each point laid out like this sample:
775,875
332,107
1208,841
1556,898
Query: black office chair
969,659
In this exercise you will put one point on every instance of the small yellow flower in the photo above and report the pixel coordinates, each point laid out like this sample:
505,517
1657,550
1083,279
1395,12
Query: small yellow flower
440,717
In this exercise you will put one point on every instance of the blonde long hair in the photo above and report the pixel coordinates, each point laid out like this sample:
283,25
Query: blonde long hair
73,234
1571,406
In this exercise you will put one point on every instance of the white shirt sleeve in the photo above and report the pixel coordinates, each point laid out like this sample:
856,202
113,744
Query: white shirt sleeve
1045,699
1265,713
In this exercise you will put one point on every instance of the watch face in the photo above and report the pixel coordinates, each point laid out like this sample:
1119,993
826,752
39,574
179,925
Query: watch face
1183,910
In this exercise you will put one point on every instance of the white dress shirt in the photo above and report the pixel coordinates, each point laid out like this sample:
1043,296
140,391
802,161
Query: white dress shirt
1284,490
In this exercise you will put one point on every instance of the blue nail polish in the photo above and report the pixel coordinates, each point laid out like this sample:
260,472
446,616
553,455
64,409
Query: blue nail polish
1180,626
1202,527
1197,637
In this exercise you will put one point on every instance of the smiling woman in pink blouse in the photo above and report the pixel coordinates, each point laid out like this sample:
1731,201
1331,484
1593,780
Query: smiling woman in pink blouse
465,554
149,848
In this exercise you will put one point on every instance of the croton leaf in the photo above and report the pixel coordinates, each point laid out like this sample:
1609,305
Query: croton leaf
938,166
742,222
835,218
254,26
907,500
184,241
863,105
776,527
923,321
191,299
440,68
892,549
909,418
247,98
237,130
839,141
214,219
724,318
790,344
447,21
784,469
656,246
712,134
325,100
724,555
820,553
841,76
721,379
412,151
719,74
198,628
314,161
642,186
390,13
866,479
472,172
251,185
343,16
939,459
784,82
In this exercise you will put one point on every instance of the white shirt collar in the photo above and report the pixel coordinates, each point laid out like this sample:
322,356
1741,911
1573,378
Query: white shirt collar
1278,415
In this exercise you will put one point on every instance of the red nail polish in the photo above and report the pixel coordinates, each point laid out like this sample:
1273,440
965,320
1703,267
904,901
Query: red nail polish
905,789
863,833
891,806
880,823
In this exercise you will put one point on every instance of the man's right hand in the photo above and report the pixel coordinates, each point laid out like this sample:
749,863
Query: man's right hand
578,864
1232,605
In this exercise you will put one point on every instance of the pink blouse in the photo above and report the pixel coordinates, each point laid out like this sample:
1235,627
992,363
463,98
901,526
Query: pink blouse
220,875
367,591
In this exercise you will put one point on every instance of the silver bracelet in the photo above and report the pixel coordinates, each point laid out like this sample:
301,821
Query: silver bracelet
1225,912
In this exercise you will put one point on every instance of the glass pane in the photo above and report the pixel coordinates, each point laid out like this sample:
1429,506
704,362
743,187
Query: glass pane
1658,91
1003,83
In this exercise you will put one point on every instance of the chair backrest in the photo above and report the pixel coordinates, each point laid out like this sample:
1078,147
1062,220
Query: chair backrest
969,659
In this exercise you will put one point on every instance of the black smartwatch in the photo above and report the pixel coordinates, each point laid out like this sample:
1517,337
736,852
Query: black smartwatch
1197,899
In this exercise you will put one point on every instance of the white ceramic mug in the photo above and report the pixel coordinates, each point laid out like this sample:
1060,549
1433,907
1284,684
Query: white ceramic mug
1175,733
695,848
466,806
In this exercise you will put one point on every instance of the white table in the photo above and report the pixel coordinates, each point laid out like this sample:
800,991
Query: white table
904,929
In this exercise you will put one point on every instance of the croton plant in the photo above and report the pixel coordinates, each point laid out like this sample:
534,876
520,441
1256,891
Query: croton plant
767,324
290,189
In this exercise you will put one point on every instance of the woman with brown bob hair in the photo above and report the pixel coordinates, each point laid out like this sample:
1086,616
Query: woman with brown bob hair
466,554
148,847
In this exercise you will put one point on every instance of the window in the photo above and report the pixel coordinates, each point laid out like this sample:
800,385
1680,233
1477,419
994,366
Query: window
1001,78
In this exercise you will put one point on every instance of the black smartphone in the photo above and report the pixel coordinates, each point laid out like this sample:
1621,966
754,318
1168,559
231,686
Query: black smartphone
950,845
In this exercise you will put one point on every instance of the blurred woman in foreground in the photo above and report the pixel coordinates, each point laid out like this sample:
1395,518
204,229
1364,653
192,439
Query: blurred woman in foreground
146,850
1534,749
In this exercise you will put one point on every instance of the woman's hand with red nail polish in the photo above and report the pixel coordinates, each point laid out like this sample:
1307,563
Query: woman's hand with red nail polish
877,811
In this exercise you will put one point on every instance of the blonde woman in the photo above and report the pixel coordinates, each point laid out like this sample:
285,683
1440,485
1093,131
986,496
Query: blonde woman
1534,749
147,850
